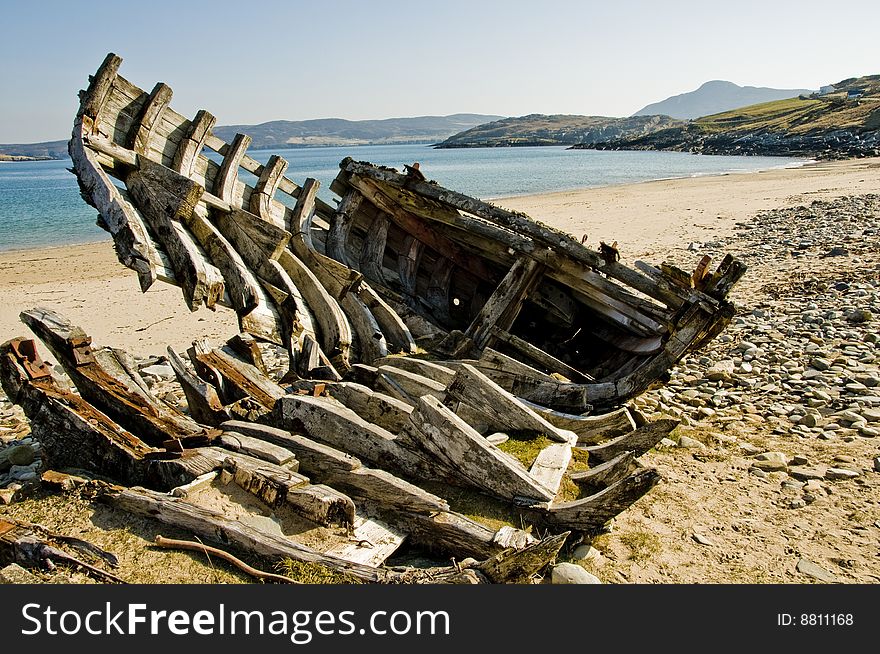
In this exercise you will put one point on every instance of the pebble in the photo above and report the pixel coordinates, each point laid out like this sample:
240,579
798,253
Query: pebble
162,371
571,573
586,553
690,443
702,540
877,464
810,569
806,474
841,473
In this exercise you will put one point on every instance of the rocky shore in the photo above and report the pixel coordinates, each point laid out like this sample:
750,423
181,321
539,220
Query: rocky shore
827,145
774,475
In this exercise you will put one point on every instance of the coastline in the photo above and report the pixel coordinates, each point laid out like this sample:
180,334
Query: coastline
648,220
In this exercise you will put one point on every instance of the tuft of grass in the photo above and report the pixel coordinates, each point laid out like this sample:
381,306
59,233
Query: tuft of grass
524,447
314,573
486,510
642,544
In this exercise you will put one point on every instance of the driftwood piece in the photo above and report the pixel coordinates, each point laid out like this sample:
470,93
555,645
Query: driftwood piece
501,409
478,463
638,441
173,543
111,391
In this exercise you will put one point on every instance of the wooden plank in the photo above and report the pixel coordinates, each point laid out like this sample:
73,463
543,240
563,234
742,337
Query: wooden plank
227,178
373,252
190,147
215,527
503,306
502,410
264,191
370,543
340,226
165,199
330,422
551,463
371,343
259,449
437,296
301,217
150,117
476,461
638,441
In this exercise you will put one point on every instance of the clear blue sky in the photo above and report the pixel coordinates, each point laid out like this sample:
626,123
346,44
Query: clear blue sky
254,61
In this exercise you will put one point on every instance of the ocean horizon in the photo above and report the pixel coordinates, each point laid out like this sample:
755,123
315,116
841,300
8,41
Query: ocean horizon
40,204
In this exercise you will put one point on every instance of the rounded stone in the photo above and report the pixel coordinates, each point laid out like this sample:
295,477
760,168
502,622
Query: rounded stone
571,573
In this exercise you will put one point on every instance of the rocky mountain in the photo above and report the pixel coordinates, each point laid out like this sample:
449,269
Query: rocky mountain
337,131
842,123
714,97
541,129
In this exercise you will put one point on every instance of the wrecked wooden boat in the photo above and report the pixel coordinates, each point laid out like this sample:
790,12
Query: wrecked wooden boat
443,358
400,261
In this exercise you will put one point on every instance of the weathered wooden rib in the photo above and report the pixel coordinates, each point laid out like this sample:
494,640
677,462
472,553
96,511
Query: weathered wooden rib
340,225
150,116
166,199
550,465
386,411
373,253
638,441
608,473
190,147
264,191
393,379
505,302
596,510
436,372
227,178
539,356
397,335
589,429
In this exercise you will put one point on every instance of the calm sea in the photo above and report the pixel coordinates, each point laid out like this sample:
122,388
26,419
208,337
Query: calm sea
40,203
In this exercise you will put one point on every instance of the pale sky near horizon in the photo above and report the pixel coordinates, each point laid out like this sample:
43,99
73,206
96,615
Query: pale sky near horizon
251,62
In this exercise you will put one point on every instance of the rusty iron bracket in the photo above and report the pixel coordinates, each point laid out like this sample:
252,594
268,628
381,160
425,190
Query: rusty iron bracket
26,353
82,350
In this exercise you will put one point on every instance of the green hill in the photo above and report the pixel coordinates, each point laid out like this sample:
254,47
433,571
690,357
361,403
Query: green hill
840,123
541,129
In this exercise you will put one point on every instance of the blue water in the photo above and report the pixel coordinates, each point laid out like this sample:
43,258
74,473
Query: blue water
40,203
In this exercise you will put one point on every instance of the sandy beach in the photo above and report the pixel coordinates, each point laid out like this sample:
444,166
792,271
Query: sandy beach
648,220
